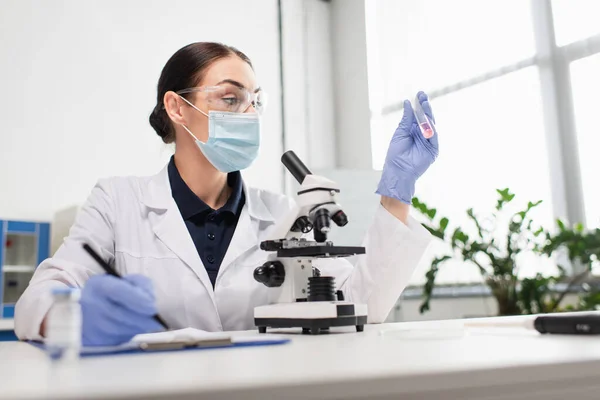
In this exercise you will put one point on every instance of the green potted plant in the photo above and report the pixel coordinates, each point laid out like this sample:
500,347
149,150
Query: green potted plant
583,251
496,260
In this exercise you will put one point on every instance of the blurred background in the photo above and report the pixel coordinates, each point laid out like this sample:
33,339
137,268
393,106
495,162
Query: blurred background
512,84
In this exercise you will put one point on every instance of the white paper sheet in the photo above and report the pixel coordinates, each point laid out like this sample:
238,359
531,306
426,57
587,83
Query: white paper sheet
178,335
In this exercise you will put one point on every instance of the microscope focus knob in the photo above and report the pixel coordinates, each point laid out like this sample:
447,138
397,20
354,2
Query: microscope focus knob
271,274
302,224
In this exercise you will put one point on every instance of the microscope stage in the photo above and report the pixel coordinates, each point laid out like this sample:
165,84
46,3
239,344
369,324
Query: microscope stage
321,251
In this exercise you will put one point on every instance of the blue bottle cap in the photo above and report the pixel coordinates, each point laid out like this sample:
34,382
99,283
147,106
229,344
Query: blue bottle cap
66,293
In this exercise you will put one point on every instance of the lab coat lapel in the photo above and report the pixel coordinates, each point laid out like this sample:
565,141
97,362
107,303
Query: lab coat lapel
246,235
169,227
244,238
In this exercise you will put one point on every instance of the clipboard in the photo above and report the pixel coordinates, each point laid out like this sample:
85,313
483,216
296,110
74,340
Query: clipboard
191,345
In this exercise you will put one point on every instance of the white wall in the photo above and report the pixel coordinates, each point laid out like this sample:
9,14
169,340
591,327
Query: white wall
308,84
79,81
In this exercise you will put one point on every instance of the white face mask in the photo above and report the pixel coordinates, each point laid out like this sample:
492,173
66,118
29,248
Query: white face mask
233,139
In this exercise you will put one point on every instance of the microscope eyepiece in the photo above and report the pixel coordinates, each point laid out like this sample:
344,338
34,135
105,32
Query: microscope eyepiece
295,166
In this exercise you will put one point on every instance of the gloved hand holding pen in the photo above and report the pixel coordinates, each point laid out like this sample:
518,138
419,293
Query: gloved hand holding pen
409,155
114,310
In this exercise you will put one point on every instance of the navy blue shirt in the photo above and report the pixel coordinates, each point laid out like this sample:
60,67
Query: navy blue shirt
211,230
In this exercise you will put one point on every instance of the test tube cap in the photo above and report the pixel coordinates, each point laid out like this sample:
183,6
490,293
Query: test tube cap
66,293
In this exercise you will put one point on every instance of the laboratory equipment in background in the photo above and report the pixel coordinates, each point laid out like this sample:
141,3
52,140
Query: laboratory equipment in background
23,246
425,124
63,324
301,297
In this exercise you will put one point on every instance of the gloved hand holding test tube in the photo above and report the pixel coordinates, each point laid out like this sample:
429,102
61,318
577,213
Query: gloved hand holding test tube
411,152
425,124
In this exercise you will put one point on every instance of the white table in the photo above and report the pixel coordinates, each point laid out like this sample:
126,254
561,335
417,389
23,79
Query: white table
402,361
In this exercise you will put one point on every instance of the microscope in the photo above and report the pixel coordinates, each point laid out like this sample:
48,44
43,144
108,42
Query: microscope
301,297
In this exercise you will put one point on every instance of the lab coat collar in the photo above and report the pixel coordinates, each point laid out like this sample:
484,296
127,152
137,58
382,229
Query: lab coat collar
157,195
256,206
169,227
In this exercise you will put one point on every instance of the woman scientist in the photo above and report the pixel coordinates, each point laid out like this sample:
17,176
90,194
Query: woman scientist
187,240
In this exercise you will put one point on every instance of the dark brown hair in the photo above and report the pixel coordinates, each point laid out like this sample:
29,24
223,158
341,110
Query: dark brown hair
185,69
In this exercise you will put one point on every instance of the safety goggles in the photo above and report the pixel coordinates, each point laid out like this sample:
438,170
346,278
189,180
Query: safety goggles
229,98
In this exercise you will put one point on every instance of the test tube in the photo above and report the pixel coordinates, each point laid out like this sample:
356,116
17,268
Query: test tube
425,124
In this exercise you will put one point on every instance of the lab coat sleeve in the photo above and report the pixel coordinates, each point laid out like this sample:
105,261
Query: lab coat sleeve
71,265
393,251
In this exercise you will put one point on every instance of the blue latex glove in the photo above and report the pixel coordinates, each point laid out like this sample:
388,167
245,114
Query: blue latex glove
408,156
115,310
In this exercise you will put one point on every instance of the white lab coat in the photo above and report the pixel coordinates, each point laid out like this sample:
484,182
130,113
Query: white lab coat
135,224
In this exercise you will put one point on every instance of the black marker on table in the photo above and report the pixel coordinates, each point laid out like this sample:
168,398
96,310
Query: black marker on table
111,271
571,323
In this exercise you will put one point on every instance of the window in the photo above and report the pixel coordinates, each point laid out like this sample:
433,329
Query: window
421,49
489,150
483,72
575,20
585,79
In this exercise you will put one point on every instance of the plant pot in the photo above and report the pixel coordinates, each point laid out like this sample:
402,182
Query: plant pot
508,307
504,291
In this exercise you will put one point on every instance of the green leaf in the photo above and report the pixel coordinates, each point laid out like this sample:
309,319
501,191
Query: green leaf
460,236
531,205
434,232
505,197
430,282
443,224
561,225
420,206
579,228
471,215
431,213
439,260
504,193
499,205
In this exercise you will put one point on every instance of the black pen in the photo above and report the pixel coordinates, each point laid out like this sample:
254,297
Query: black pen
111,271
569,323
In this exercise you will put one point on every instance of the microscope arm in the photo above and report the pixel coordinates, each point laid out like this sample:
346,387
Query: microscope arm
315,192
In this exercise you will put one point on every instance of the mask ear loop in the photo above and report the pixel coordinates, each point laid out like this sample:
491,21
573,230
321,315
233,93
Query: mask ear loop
195,108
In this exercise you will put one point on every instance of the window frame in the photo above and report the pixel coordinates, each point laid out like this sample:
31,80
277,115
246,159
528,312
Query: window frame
553,63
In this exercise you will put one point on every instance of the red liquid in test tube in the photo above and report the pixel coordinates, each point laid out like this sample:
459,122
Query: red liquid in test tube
427,131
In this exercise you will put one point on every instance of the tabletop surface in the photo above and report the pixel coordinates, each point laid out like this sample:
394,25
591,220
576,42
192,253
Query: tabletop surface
399,358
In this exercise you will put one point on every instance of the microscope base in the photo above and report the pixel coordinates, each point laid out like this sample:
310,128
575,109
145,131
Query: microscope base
313,317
